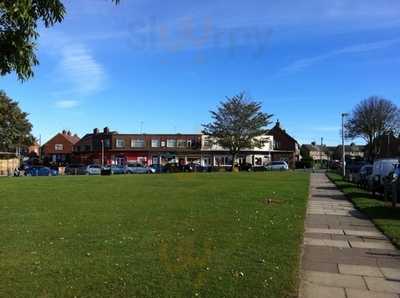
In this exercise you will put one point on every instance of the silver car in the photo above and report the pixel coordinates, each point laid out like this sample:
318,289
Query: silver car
137,169
277,166
93,170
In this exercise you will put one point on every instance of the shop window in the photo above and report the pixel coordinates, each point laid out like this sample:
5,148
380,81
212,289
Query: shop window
155,143
171,143
120,143
137,143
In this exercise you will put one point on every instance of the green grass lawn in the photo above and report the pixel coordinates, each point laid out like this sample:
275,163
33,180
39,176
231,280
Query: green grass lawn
178,235
382,214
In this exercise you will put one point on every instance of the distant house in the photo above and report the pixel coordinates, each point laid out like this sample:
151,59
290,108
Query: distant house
118,148
352,151
59,148
315,152
285,146
213,154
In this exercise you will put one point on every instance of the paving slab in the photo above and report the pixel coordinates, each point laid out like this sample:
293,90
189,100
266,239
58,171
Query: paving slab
391,273
355,293
344,254
316,291
374,245
382,285
360,270
335,280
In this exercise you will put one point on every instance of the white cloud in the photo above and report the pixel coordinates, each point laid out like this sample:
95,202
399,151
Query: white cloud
355,49
67,104
80,67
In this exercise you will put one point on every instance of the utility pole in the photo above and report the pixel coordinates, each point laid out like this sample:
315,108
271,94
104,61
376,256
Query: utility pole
343,147
320,152
102,153
40,148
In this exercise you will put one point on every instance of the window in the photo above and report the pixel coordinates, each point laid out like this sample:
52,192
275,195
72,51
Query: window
171,143
137,143
155,143
58,147
181,143
189,143
120,143
87,147
162,143
106,143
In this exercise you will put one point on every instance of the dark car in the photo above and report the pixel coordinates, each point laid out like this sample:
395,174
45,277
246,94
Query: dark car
173,167
363,175
194,167
75,169
353,170
41,171
245,167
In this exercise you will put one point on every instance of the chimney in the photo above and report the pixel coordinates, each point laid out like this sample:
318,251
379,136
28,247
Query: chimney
64,132
69,132
106,130
76,135
95,131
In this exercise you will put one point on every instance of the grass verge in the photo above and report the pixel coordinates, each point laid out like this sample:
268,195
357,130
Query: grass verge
178,235
386,218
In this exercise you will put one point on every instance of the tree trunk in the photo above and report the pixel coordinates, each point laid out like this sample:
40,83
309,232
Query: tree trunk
233,161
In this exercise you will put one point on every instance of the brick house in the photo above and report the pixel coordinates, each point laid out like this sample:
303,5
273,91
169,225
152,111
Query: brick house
316,152
116,148
59,148
285,146
141,148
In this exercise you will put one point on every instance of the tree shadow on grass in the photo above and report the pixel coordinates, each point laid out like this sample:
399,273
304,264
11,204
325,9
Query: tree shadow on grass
382,212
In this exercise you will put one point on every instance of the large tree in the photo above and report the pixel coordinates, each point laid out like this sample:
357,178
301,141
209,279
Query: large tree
15,128
19,20
238,123
371,118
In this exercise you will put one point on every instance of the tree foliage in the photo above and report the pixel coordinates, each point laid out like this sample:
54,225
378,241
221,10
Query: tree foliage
19,20
15,128
372,118
237,124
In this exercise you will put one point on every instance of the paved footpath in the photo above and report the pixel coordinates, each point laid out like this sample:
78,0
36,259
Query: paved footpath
344,255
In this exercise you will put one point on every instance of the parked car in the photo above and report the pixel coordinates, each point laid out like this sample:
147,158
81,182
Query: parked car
194,167
172,167
118,169
381,170
41,171
138,168
92,170
364,173
156,168
246,167
353,170
74,169
277,166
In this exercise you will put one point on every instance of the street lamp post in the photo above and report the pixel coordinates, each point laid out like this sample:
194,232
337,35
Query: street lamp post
343,147
102,153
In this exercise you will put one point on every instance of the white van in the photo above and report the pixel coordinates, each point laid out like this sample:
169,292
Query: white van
381,169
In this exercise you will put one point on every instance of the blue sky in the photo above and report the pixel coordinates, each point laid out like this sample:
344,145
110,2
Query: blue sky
163,65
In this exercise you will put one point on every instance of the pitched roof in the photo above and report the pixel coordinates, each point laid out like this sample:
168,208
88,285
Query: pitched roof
73,139
278,128
311,147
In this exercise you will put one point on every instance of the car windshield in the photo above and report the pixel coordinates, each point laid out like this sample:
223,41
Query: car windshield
95,167
274,163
